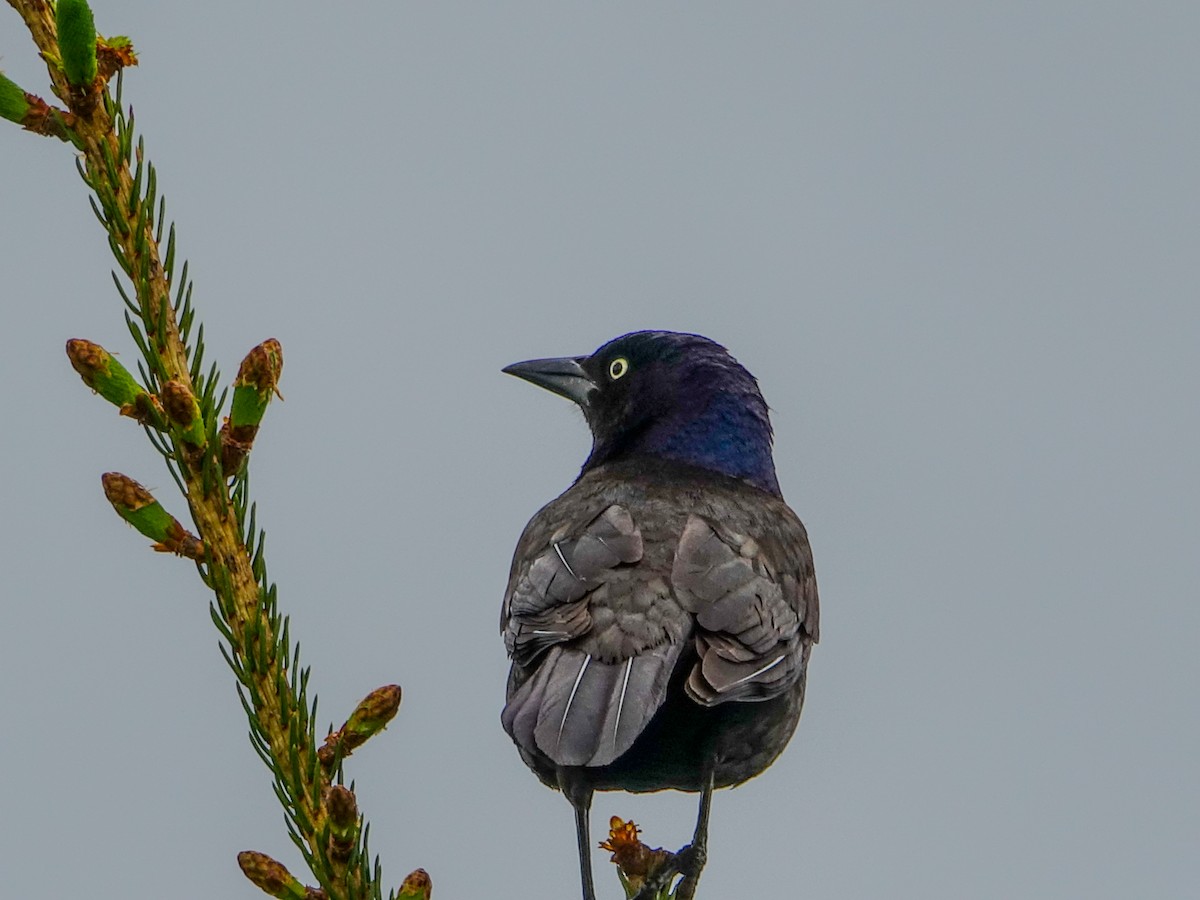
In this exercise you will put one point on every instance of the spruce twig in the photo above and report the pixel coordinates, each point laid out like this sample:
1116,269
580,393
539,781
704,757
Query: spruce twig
179,404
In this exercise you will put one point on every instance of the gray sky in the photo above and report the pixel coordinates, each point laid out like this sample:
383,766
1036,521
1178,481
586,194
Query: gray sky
956,242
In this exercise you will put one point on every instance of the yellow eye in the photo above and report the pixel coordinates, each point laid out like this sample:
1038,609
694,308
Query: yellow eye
618,367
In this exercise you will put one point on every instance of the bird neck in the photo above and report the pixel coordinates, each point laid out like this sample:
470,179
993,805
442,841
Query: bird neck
731,435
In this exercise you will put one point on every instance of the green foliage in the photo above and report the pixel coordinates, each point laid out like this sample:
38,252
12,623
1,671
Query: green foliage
178,399
76,40
272,683
13,104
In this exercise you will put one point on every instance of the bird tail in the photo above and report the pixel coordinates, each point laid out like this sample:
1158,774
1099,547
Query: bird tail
580,711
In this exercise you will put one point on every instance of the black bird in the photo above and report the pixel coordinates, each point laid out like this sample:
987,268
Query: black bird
660,613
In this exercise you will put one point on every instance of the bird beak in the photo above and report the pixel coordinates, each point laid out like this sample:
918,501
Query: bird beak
564,376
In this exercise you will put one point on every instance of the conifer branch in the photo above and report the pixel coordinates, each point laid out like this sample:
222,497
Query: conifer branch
179,405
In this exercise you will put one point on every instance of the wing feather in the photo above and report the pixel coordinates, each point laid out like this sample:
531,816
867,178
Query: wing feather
753,635
588,690
546,603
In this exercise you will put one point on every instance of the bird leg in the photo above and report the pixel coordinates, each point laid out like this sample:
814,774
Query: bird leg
689,861
583,836
699,846
580,798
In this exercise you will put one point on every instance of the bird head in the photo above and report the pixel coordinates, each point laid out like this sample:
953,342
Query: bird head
668,395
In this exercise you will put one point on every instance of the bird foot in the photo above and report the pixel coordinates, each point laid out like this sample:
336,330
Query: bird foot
693,858
688,861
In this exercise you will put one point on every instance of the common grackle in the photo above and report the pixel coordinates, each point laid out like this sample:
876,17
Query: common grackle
660,613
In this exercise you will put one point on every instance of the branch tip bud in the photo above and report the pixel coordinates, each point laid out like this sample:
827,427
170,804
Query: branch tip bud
36,114
76,41
271,876
374,712
369,718
257,381
14,105
417,885
261,368
104,374
137,506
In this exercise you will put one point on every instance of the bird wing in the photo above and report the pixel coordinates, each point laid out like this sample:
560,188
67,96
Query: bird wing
587,678
547,598
756,610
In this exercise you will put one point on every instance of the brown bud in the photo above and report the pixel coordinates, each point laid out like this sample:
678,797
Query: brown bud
137,506
369,718
121,490
104,374
341,807
87,358
262,367
342,810
270,875
372,714
179,403
417,885
257,379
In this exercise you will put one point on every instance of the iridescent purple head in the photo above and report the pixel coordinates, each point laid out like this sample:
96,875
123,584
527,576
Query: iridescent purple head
668,395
